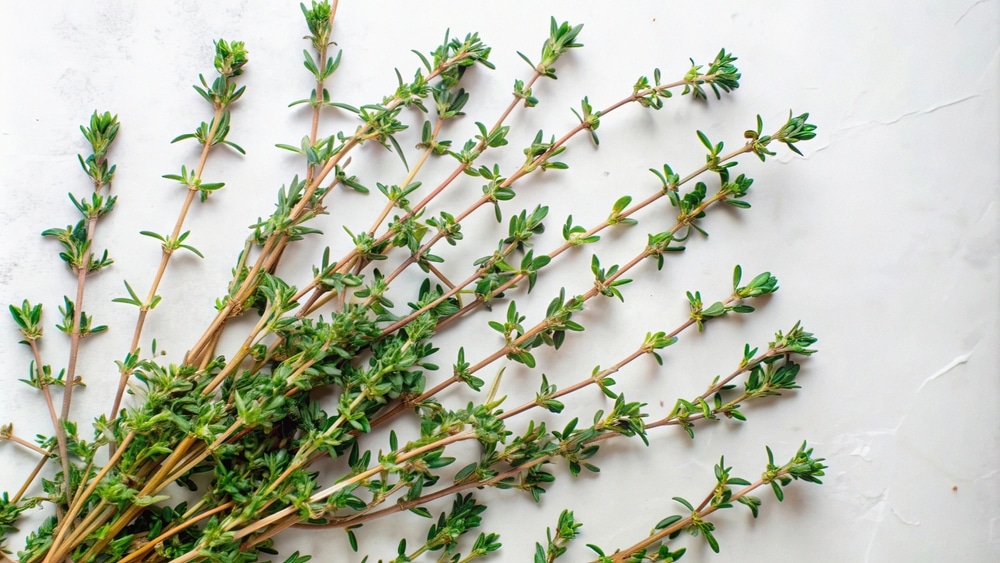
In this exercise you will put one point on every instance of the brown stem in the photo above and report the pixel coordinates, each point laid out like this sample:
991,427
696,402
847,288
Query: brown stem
578,385
457,487
702,512
274,244
64,525
153,485
409,178
325,493
238,357
76,335
164,260
672,419
201,453
232,308
28,445
74,341
31,477
170,532
95,518
57,427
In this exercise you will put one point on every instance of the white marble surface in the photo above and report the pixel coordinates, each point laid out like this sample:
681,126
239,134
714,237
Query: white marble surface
885,236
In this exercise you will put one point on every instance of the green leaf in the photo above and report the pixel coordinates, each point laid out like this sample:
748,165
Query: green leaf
667,522
686,504
777,491
348,107
706,142
132,299
539,554
421,511
712,542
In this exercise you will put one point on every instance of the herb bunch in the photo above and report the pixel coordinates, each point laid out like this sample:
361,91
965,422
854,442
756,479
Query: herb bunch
330,412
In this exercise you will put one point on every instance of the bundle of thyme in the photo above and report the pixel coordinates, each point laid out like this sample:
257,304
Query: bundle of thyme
352,349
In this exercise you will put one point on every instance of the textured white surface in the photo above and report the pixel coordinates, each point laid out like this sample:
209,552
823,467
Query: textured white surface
885,237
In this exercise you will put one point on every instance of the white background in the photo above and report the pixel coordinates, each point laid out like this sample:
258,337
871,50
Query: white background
884,237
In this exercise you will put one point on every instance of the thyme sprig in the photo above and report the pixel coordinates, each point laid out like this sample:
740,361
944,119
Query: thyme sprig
230,58
801,467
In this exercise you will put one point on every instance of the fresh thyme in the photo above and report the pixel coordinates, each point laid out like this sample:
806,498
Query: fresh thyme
243,429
